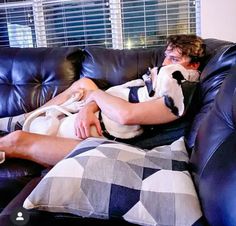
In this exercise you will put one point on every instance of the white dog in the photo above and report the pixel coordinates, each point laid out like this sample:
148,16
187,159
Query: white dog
155,84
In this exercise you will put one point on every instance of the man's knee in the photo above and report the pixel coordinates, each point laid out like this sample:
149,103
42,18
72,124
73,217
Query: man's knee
83,83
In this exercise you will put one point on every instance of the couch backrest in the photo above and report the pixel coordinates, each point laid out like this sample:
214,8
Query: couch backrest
218,66
119,66
214,155
31,76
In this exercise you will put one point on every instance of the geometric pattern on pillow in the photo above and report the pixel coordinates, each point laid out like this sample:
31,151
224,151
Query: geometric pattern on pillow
105,179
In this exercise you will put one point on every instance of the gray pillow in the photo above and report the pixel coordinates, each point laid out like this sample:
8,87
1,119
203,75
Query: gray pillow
105,179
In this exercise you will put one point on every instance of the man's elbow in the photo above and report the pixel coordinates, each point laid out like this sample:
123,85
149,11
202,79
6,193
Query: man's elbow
125,117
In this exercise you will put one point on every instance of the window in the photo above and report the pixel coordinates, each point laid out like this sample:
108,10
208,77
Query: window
109,23
17,24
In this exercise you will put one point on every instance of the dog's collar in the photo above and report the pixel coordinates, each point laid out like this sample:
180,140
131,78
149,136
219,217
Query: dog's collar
107,135
104,130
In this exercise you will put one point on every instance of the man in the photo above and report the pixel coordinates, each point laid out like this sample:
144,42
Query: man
187,50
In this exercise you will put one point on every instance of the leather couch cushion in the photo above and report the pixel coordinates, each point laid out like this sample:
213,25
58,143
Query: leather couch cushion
211,79
217,125
31,76
14,175
218,183
119,66
213,46
213,159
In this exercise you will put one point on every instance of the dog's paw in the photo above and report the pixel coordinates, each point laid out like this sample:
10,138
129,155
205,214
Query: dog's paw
75,106
78,95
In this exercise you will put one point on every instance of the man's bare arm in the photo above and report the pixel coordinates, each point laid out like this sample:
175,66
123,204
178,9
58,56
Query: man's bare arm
123,112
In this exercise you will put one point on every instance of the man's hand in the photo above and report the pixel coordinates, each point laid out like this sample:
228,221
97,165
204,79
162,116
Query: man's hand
85,119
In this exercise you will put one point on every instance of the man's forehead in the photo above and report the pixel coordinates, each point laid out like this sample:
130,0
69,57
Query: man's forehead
173,51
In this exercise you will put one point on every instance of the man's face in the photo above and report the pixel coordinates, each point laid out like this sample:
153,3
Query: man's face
174,56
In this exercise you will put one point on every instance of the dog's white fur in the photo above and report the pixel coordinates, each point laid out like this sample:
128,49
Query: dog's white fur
163,84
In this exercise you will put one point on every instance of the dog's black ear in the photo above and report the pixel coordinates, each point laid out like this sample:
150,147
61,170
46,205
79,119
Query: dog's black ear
178,76
158,69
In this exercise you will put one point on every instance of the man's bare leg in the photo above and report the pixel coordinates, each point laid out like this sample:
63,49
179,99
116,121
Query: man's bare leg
83,83
10,124
42,149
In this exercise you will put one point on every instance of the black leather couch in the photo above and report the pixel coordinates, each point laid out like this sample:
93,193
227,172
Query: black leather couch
30,77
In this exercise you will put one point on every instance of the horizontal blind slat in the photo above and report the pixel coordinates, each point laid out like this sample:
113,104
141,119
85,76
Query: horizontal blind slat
87,22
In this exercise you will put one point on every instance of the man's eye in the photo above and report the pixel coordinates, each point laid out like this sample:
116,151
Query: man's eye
175,60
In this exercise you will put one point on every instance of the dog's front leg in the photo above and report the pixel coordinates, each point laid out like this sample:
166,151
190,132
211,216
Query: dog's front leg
72,105
74,98
136,82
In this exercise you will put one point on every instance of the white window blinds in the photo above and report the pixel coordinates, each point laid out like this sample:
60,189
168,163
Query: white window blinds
109,23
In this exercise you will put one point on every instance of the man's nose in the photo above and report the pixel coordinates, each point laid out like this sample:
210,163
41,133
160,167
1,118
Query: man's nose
166,61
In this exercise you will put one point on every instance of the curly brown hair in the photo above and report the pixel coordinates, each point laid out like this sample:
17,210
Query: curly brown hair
190,45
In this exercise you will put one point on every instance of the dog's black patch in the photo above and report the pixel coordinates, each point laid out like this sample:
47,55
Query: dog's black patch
178,76
133,94
149,86
169,102
148,82
158,69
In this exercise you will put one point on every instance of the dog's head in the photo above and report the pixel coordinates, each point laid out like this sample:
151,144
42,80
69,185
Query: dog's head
177,72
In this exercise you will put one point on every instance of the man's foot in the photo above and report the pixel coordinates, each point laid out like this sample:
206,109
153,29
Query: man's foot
2,157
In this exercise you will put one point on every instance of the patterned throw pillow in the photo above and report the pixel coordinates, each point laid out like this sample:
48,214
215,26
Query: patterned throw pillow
106,179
